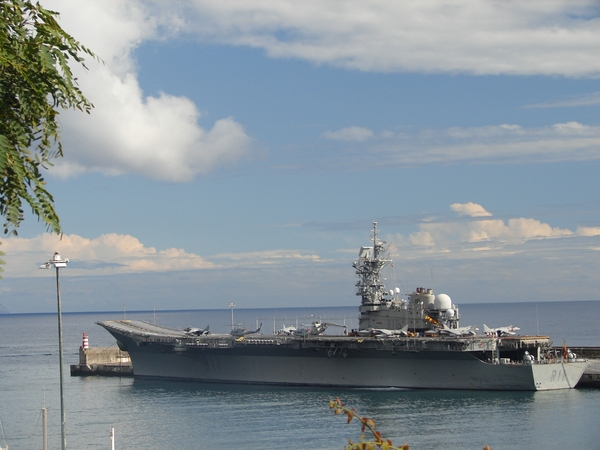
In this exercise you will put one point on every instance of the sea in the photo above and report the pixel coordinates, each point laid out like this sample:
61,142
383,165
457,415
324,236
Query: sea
152,415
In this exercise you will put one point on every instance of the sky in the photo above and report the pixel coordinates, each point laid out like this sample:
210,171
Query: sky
240,151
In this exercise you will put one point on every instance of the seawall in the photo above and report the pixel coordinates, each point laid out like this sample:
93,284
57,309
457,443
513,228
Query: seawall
103,361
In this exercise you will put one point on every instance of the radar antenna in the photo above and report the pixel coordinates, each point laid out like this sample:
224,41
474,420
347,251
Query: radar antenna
371,260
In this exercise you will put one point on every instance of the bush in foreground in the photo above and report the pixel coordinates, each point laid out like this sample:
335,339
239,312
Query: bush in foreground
375,439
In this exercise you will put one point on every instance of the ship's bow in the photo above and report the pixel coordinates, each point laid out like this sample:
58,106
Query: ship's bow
560,375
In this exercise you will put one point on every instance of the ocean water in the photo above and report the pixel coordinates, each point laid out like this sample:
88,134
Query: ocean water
149,414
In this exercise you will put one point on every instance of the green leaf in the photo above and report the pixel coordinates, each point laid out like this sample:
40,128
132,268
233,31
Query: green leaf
47,58
36,81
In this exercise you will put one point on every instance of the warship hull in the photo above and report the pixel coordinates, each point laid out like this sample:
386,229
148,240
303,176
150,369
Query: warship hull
334,361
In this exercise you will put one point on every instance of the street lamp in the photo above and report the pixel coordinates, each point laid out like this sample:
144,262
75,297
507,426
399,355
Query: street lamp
57,262
232,305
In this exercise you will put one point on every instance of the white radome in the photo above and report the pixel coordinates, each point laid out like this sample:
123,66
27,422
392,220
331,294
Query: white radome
442,302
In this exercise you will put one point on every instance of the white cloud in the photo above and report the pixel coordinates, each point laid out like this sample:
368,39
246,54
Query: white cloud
266,257
506,143
458,251
588,231
112,254
421,238
158,137
461,237
469,209
350,134
513,231
580,100
469,36
107,254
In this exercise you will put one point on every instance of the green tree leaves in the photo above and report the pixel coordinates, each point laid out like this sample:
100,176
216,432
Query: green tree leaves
35,81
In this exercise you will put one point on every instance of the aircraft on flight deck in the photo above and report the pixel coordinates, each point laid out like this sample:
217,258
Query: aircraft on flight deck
243,332
460,331
384,332
197,331
500,331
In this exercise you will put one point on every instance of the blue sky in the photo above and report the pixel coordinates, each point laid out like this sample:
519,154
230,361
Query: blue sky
240,151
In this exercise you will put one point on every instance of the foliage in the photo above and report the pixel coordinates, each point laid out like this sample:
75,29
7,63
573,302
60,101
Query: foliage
35,81
376,439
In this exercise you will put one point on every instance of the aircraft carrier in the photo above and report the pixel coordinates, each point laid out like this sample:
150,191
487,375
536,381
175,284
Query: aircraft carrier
402,343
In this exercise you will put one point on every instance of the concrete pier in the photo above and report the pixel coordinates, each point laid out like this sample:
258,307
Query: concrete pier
110,362
591,376
585,352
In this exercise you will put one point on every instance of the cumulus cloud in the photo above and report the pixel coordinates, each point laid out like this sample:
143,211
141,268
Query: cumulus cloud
481,233
107,254
466,36
588,231
155,136
422,238
111,254
160,136
469,209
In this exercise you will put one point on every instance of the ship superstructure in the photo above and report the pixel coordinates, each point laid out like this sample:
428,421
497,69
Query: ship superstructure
384,309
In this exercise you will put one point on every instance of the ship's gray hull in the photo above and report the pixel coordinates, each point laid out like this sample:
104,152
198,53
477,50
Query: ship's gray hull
340,362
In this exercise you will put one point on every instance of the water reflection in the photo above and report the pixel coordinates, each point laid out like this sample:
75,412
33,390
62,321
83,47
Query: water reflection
236,415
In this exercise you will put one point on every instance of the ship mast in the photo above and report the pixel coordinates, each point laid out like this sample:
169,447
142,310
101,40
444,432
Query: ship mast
371,260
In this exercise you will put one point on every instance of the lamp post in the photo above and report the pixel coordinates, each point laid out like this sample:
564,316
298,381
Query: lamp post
232,305
57,262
